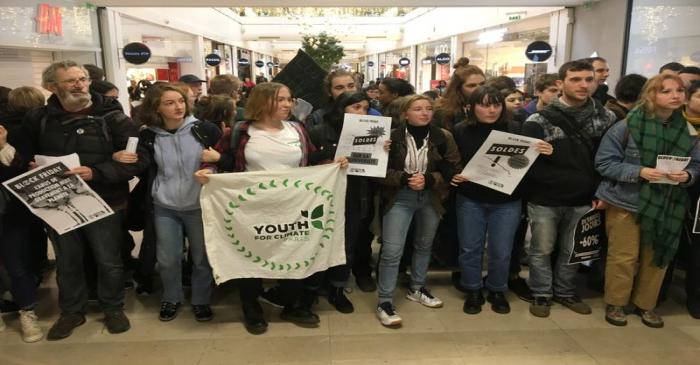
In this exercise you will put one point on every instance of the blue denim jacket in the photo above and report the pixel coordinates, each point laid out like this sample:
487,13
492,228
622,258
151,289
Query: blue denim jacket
617,160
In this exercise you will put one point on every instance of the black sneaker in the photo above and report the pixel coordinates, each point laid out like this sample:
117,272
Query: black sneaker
473,302
520,288
202,312
116,321
144,289
254,322
64,326
541,306
300,316
366,283
337,298
168,311
272,297
499,303
574,303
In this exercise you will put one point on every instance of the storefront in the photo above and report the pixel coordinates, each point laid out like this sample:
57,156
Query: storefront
500,51
225,52
396,63
171,52
433,63
662,31
34,34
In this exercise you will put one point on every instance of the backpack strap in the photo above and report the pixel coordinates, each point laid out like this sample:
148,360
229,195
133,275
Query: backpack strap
236,135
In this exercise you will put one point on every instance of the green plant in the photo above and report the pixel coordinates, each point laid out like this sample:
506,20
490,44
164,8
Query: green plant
324,49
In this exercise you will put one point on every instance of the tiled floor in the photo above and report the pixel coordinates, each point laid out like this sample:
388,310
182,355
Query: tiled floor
428,336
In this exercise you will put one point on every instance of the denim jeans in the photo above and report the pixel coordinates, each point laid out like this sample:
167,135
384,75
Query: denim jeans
102,239
553,226
169,226
474,221
408,204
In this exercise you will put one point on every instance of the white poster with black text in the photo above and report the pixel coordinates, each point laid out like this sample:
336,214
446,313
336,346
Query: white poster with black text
362,142
64,202
502,161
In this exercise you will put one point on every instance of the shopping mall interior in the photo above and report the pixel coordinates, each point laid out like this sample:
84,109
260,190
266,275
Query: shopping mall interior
413,40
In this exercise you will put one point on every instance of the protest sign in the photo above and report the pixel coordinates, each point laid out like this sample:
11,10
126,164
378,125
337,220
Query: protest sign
589,237
362,142
501,161
64,202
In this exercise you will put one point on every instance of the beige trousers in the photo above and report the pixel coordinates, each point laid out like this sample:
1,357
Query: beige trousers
624,253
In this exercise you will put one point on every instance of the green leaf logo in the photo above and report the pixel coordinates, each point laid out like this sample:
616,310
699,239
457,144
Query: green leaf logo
316,215
317,212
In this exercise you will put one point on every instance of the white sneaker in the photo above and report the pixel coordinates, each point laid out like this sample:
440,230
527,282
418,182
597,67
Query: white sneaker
31,332
387,315
424,297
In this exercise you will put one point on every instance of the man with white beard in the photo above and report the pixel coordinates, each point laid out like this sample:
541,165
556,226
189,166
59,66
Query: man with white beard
76,121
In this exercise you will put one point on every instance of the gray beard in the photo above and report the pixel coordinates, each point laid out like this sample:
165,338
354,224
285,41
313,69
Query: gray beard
71,102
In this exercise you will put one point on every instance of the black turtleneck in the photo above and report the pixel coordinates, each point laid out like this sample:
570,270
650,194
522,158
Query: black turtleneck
418,133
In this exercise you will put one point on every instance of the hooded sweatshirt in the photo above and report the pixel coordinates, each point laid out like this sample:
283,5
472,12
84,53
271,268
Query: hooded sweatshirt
178,156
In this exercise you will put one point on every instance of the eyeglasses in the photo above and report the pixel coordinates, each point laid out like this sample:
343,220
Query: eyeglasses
82,80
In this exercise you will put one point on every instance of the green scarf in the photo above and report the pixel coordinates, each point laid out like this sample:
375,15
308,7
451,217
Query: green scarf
662,207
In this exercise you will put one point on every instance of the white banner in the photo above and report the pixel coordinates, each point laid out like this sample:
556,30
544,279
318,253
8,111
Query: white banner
64,202
285,224
501,161
362,142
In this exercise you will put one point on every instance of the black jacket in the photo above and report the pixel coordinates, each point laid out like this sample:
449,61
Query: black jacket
469,139
568,176
94,136
360,189
601,94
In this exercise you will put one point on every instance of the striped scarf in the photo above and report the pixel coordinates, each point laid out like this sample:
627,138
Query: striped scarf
416,158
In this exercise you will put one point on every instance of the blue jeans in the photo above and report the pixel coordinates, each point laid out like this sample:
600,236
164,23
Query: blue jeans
474,221
169,226
408,204
552,227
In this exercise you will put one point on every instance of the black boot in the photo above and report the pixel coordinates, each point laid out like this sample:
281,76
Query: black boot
337,298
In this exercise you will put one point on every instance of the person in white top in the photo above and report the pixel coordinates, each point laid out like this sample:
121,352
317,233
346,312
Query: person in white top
267,141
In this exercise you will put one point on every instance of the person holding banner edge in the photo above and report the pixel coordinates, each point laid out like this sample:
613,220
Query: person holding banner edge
268,141
644,219
482,211
175,141
422,159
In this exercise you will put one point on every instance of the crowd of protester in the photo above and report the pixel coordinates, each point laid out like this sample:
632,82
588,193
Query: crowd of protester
597,151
